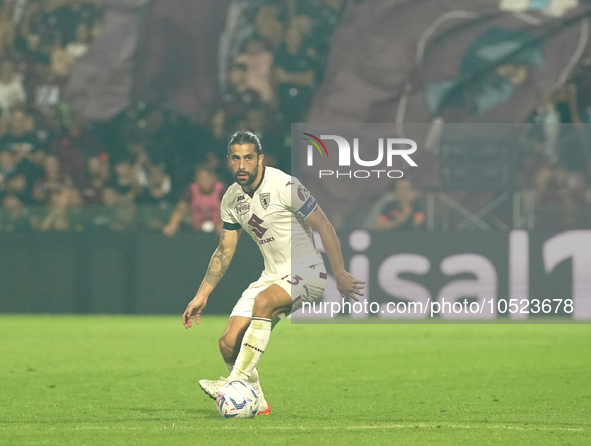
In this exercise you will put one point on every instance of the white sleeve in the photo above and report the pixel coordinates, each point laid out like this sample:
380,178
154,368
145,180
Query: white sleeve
227,215
298,199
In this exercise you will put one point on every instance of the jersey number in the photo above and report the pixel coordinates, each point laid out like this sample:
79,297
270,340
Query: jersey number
255,223
296,280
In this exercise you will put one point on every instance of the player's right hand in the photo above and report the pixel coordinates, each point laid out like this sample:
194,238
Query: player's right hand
194,310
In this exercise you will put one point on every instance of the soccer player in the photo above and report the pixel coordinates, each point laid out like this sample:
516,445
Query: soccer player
279,214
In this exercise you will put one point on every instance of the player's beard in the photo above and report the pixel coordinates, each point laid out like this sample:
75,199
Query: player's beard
249,180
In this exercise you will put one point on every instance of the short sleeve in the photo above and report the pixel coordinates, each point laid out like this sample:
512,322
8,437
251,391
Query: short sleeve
230,222
298,199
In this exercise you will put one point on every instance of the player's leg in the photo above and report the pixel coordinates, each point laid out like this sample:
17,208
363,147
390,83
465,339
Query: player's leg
230,343
231,339
268,303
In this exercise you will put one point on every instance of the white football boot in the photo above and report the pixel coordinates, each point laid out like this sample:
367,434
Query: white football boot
212,386
212,389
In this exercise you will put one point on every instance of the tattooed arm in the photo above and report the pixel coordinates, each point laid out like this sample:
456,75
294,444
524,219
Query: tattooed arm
218,265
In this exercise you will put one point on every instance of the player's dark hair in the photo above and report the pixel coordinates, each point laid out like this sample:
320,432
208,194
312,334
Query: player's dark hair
245,137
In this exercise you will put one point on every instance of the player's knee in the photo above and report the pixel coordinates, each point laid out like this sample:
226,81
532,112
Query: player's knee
264,305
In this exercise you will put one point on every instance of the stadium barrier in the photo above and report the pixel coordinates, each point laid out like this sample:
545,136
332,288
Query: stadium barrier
144,272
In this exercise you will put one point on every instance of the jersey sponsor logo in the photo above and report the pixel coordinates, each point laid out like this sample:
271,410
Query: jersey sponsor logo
268,240
242,208
240,197
265,200
303,193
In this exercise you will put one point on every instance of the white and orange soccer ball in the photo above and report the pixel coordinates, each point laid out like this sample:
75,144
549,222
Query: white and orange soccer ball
238,399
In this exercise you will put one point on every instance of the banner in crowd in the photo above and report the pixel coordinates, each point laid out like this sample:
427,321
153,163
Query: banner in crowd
460,60
160,51
101,83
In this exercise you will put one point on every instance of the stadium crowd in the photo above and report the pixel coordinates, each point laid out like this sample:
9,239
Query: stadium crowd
152,168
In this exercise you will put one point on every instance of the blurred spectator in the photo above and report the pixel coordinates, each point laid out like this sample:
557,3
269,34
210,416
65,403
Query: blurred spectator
158,186
6,28
18,186
7,167
295,74
129,179
53,183
51,126
12,91
79,47
406,213
73,13
535,167
203,198
46,88
560,195
258,62
303,24
20,139
235,101
14,216
74,147
59,214
156,207
259,121
269,26
170,139
117,213
61,61
213,163
96,179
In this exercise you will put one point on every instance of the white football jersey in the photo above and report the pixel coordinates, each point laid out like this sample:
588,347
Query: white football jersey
275,219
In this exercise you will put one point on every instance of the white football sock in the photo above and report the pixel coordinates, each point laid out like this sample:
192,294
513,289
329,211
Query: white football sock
254,344
253,380
254,375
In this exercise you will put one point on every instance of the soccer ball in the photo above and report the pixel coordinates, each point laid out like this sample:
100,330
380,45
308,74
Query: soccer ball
238,399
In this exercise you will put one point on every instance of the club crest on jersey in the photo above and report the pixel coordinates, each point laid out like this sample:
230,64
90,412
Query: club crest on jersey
265,200
303,193
242,208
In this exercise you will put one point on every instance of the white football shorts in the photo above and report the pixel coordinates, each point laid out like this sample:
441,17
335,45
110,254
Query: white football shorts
302,285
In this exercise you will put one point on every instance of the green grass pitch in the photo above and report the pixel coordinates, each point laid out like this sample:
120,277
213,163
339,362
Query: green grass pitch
77,380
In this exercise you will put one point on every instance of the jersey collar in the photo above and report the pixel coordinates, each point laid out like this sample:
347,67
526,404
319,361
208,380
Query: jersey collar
251,194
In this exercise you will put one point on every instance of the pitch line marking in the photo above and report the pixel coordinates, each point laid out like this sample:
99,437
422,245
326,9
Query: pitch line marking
362,427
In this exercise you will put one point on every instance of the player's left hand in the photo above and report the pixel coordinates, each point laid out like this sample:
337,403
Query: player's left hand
349,286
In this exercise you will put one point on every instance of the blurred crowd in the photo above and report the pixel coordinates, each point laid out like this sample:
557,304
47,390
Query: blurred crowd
273,55
152,168
149,167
